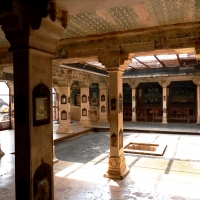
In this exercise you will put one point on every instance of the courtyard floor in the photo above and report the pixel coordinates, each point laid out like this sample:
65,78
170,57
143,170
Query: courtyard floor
83,160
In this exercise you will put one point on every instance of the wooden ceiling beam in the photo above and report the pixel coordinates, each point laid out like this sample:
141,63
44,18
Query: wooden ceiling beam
159,61
141,62
179,60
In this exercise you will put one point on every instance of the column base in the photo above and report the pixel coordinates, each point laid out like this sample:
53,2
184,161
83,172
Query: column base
117,168
164,121
1,153
64,129
198,120
103,118
86,123
134,119
55,160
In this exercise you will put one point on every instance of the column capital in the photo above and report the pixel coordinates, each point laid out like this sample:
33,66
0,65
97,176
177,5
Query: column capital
132,83
31,24
196,81
164,82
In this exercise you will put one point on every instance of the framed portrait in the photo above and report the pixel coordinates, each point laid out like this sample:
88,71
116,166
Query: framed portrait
84,98
41,105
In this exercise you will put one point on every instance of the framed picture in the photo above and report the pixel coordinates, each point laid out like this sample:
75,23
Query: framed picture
68,99
84,98
94,97
103,97
63,115
41,105
84,112
63,99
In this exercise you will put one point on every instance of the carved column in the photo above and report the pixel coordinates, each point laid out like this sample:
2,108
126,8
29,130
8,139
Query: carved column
85,119
117,163
103,102
164,85
12,119
198,104
197,82
164,118
133,85
33,40
65,122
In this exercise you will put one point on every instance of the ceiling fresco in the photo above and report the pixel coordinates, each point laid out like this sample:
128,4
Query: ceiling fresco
145,14
141,14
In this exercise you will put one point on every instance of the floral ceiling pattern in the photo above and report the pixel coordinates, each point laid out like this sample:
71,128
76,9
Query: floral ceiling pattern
160,12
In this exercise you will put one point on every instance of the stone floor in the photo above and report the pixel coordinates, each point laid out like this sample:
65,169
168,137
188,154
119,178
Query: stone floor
175,175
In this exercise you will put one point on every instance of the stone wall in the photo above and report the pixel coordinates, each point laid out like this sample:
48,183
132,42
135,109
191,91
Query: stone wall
75,112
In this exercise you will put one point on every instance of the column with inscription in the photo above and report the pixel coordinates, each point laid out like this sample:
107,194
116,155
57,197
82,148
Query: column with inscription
64,109
117,168
85,120
33,33
103,103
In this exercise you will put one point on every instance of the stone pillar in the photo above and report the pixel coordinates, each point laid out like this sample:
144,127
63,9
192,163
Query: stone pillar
12,119
164,83
33,40
65,123
134,119
103,102
133,85
117,162
198,104
85,120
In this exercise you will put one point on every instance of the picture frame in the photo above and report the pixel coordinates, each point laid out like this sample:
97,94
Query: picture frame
63,115
84,98
84,112
63,99
103,98
41,105
94,97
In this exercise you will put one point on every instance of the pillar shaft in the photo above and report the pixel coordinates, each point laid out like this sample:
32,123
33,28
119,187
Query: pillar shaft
33,40
31,142
198,104
85,120
117,163
164,118
134,105
103,110
65,123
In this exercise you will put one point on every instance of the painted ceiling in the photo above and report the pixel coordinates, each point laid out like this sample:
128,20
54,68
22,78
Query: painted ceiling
145,14
134,15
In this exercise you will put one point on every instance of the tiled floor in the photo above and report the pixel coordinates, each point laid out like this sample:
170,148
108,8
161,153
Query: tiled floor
175,175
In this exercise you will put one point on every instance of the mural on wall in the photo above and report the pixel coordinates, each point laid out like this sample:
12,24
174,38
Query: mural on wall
75,94
153,94
127,95
94,94
183,94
